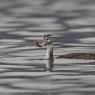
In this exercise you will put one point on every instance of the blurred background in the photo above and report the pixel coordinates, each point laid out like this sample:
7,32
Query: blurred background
71,20
72,24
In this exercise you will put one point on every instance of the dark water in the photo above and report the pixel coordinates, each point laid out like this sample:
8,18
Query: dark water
22,64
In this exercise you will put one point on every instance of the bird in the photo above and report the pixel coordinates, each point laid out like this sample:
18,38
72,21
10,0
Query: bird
47,41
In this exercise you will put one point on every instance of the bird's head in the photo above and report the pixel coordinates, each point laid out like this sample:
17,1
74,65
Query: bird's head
48,39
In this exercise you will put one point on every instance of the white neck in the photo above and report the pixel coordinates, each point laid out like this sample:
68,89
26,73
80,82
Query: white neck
49,52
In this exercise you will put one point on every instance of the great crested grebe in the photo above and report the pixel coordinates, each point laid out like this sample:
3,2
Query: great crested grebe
47,42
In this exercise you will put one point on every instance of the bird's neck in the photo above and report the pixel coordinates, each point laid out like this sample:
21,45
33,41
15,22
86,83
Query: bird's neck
49,52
